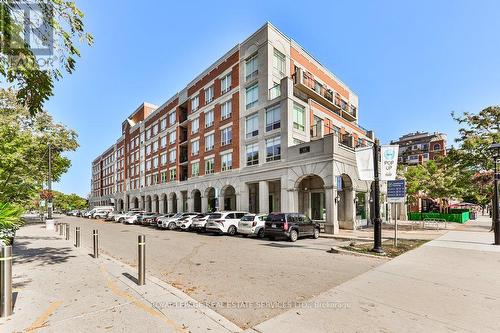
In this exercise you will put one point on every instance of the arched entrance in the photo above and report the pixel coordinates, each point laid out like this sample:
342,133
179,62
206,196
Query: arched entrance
119,205
211,199
173,202
135,202
345,203
196,198
229,198
311,190
164,198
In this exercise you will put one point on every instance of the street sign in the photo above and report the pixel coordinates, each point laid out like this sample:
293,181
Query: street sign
396,190
42,203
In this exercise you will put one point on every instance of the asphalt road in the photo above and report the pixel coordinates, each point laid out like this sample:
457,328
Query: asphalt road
247,280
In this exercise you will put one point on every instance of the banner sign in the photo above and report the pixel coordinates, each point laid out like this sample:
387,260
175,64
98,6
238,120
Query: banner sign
389,163
364,162
396,190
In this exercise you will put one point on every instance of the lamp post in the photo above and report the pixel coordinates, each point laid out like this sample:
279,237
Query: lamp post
495,151
377,221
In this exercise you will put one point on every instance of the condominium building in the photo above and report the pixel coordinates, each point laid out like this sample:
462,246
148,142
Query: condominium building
265,128
420,147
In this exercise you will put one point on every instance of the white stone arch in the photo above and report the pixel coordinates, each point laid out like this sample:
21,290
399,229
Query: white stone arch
322,169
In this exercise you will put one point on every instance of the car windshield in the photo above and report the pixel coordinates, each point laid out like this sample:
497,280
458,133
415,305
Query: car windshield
215,216
178,215
248,218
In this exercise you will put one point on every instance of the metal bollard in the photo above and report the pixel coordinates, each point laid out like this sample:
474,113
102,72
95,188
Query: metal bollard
5,281
56,227
77,237
67,231
61,229
142,260
95,236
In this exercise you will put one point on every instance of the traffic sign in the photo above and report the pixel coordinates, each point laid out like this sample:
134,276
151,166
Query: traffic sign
396,190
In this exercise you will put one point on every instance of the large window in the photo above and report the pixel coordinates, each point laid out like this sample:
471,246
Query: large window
195,147
227,161
273,149
209,166
225,84
299,117
209,118
163,159
155,162
172,155
252,154
163,123
252,126
209,142
148,149
209,94
163,141
252,96
164,177
195,169
279,62
195,125
155,146
148,165
225,110
226,136
171,137
195,103
273,116
251,67
173,174
172,118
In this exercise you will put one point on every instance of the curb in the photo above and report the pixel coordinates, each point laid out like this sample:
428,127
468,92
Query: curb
336,249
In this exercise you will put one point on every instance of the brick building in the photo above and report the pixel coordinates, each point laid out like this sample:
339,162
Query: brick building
264,128
419,147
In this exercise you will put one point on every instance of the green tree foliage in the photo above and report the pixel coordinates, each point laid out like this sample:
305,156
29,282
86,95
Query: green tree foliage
10,221
66,202
23,149
19,66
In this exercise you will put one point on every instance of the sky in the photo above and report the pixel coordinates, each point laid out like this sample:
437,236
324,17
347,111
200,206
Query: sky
410,62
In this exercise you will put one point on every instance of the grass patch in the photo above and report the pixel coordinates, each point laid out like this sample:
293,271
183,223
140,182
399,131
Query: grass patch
390,250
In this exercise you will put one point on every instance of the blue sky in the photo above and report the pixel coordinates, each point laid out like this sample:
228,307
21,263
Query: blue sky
410,62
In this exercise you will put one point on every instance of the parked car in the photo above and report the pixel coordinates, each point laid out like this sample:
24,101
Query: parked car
252,225
101,213
224,222
111,216
184,223
199,221
130,217
169,222
291,226
88,213
145,218
158,220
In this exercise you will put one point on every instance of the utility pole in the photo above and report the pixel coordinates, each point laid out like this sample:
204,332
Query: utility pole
377,223
49,186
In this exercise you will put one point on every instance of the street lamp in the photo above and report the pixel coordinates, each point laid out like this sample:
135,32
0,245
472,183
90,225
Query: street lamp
495,152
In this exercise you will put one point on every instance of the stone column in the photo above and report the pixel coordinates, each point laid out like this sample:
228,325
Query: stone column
180,207
141,202
190,204
204,204
171,205
332,223
242,201
162,205
263,197
126,204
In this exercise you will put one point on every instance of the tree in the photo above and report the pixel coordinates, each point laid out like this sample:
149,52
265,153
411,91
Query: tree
62,26
23,149
66,202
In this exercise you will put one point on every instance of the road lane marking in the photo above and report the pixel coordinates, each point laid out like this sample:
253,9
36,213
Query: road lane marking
41,321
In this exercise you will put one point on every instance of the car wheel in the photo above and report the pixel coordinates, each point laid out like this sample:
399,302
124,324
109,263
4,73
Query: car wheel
316,233
231,231
294,235
171,226
261,233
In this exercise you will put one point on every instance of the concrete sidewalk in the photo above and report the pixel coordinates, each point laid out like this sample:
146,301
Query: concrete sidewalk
59,288
451,284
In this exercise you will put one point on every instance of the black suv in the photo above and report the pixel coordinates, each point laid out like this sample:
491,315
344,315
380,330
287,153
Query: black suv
291,226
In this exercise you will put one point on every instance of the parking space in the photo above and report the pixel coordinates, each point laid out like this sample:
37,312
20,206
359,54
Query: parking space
247,280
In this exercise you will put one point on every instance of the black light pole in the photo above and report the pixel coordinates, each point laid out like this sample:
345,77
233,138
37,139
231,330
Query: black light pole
495,149
377,223
49,186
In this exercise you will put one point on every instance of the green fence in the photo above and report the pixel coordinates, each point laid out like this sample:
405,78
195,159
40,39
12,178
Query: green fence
452,217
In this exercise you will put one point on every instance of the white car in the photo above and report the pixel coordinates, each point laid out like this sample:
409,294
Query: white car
185,221
130,217
169,222
224,222
101,213
199,222
252,225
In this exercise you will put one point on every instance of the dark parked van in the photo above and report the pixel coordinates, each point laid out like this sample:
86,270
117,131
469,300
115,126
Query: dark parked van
291,226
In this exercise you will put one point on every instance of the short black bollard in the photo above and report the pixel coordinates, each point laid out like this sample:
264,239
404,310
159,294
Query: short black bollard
95,236
67,231
142,260
61,229
5,281
77,237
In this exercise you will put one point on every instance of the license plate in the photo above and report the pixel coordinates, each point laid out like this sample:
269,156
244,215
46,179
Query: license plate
273,225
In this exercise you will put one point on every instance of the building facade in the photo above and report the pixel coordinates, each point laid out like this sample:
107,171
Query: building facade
265,128
420,147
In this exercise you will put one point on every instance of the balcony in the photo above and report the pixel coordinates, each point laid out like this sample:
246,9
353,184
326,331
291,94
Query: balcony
275,92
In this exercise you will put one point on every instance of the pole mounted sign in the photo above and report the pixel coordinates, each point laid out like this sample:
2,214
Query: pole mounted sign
396,190
389,162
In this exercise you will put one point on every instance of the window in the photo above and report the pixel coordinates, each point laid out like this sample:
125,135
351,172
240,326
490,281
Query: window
209,118
195,169
164,177
226,136
209,94
148,135
155,129
253,154
426,156
195,147
225,84
209,142
195,125
209,166
195,103
163,123
225,110
227,161
148,164
252,96
163,141
251,67
155,146
148,180
172,118
436,146
155,162
155,179
252,126
171,137
173,174
172,155
273,149
273,116
163,158
299,117
279,62
148,149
